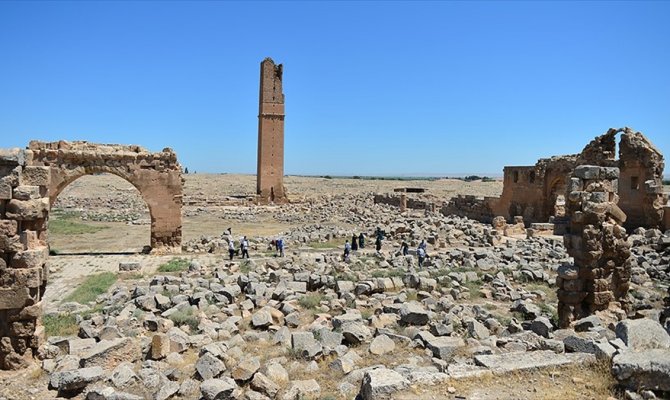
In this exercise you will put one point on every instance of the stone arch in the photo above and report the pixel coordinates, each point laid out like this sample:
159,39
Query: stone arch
556,189
101,198
157,176
30,181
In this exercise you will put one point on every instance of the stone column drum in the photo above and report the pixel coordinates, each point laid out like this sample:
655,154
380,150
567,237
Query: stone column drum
596,240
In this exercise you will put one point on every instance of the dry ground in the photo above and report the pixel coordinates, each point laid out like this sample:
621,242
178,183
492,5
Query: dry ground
203,216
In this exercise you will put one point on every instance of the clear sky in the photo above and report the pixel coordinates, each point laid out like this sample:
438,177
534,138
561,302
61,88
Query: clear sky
372,88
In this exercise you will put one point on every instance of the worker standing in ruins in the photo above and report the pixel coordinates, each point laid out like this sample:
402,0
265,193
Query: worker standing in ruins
379,233
421,253
404,248
231,249
280,247
245,247
347,251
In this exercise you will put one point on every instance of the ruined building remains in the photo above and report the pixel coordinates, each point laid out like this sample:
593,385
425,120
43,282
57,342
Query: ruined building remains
537,193
30,181
596,240
270,172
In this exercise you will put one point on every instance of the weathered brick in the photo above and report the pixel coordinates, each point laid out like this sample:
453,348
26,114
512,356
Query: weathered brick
11,298
36,176
5,190
34,258
8,227
28,210
26,192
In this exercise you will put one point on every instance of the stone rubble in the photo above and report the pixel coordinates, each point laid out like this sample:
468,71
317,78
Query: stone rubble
311,324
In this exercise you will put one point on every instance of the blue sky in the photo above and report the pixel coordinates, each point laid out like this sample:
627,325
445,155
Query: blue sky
372,88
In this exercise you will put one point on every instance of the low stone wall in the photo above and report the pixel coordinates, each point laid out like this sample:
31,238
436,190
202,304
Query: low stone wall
402,201
24,213
477,208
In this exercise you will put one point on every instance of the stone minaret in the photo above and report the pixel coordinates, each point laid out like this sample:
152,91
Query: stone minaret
270,175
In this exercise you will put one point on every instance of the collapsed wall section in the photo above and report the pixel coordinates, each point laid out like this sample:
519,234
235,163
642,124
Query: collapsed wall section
537,193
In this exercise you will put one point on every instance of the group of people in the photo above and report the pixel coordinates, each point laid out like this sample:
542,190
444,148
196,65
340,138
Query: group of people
278,244
359,242
356,243
421,251
244,247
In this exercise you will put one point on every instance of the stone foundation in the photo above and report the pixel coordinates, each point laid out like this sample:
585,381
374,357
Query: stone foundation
597,242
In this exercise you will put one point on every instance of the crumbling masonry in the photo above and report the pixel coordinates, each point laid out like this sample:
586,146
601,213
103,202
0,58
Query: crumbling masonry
270,172
597,242
30,181
537,193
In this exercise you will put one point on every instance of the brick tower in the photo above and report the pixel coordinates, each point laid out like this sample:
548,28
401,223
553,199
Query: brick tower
270,174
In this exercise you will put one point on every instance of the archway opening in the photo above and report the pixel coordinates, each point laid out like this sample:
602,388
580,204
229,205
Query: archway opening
99,214
557,198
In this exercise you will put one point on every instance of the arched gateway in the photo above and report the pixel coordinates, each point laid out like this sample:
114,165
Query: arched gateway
30,181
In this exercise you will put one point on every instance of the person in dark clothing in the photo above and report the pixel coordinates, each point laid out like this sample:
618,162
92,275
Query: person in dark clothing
280,247
354,243
361,241
404,248
378,244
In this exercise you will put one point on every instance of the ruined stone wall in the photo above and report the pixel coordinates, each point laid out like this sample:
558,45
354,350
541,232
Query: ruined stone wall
596,240
532,192
24,214
478,208
157,176
537,192
270,171
641,181
388,199
410,201
522,194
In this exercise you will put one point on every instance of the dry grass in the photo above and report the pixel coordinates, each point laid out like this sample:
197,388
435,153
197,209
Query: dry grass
328,378
549,293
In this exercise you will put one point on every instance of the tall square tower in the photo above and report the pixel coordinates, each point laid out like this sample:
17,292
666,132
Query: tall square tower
270,174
